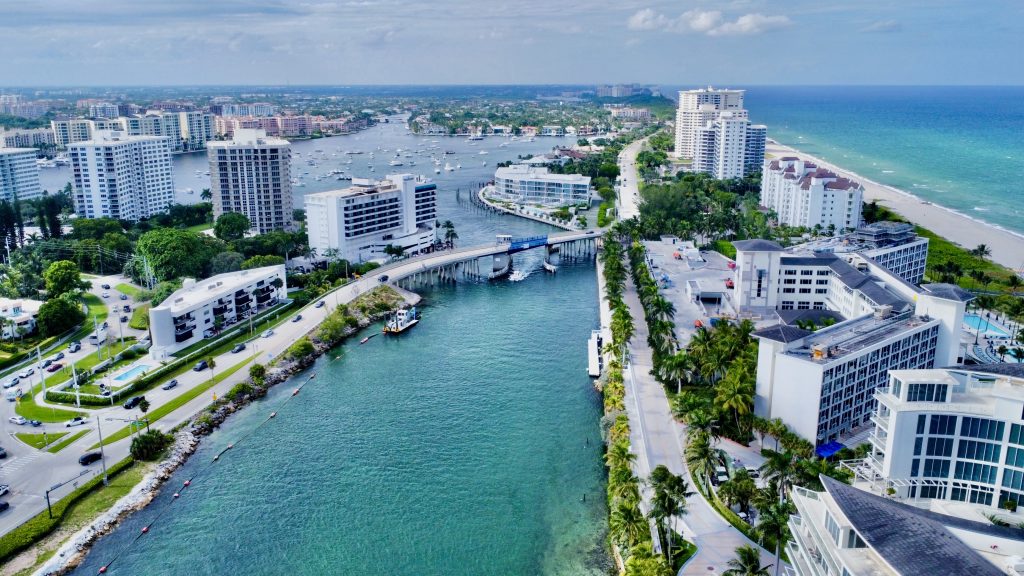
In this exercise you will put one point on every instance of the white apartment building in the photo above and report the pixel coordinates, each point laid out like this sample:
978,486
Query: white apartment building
19,174
729,147
70,130
252,109
196,130
699,107
894,246
251,174
18,317
29,138
843,531
524,184
803,194
200,309
820,383
103,110
121,176
361,221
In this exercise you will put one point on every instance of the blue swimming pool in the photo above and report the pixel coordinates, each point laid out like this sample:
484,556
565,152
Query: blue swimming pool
985,326
130,374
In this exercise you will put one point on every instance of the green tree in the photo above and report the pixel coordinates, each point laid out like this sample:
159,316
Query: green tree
619,456
150,445
701,457
63,277
174,253
231,226
144,408
226,262
643,562
261,261
627,524
58,315
746,563
206,195
301,349
258,374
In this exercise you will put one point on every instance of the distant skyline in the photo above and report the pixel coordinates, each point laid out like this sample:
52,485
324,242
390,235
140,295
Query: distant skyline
748,42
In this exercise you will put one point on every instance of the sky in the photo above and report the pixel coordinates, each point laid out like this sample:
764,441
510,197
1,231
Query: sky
675,42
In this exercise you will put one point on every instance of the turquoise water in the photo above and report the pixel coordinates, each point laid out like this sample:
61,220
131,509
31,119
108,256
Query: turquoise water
960,147
128,375
987,326
465,446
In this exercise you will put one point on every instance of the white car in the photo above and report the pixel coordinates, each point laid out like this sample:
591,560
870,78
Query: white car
106,294
26,372
76,421
19,420
12,382
4,489
268,333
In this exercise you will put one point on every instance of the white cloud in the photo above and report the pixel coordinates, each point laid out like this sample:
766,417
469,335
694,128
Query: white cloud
709,22
883,26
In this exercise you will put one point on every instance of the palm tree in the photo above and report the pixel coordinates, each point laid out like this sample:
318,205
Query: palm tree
779,467
670,494
735,393
623,485
627,524
206,195
746,563
1002,350
1018,354
773,522
701,457
1013,282
809,473
981,251
619,456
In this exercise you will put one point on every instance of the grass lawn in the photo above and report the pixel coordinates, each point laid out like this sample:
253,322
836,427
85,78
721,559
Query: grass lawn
140,317
178,402
198,228
97,309
54,448
39,441
28,408
128,289
73,512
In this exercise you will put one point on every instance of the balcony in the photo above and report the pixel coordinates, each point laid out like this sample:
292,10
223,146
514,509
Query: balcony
263,297
219,310
182,336
878,441
240,300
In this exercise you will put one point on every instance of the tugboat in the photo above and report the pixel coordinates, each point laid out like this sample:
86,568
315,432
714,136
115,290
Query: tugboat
401,321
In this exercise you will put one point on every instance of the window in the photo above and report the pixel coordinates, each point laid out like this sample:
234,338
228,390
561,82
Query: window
926,393
982,428
975,472
832,527
1015,457
1017,434
917,445
975,450
940,447
854,541
940,424
935,468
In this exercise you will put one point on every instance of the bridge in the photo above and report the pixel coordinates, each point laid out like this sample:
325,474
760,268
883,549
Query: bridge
484,261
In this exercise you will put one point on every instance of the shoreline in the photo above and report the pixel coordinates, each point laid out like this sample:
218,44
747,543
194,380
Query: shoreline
964,230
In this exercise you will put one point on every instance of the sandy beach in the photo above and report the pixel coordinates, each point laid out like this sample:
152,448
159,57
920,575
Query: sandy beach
1007,247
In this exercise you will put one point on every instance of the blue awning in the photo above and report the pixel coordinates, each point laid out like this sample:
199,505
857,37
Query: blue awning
826,450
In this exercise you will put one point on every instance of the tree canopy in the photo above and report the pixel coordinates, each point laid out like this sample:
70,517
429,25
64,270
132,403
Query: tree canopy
231,226
63,277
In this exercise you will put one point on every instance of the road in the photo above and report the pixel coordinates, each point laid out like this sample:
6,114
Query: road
655,434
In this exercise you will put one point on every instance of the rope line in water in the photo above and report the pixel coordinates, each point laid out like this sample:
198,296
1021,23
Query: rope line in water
188,482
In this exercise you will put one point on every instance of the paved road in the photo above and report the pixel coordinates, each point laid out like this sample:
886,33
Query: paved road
655,434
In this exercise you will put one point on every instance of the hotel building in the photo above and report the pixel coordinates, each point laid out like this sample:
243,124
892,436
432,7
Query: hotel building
200,309
535,185
802,194
361,221
19,174
714,131
185,131
251,174
843,531
122,177
821,383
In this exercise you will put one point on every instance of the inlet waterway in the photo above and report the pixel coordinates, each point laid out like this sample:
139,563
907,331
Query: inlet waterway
469,445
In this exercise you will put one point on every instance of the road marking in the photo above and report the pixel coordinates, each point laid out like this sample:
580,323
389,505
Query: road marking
19,462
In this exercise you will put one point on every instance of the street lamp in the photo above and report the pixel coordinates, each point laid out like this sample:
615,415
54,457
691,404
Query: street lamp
58,485
103,458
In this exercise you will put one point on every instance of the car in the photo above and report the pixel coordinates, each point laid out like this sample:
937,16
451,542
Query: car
105,286
200,366
105,326
320,304
124,319
3,453
27,372
74,346
19,420
133,402
59,356
590,232
5,489
54,367
12,382
89,458
126,308
383,278
35,423
169,385
298,318
105,294
4,506
268,334
124,296
13,395
238,348
76,421
47,362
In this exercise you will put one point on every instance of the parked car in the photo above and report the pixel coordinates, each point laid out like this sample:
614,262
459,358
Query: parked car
133,402
74,346
12,382
200,366
169,385
27,372
35,423
298,317
54,367
5,489
59,356
268,333
124,296
383,278
89,458
19,420
238,348
76,421
320,304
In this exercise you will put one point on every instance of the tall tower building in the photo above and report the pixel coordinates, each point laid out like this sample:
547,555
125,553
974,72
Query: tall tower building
19,174
251,174
121,176
714,131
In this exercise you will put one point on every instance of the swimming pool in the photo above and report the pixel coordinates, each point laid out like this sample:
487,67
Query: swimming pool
132,373
984,326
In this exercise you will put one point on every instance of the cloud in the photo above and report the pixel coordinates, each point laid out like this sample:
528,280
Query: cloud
883,26
709,22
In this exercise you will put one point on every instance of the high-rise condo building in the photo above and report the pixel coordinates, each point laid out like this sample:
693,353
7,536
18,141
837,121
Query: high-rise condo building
714,132
361,221
27,138
69,130
251,174
524,184
249,109
103,110
803,194
19,174
122,176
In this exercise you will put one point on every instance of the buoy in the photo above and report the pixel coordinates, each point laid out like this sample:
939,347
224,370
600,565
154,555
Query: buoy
272,414
187,482
230,446
145,529
295,392
176,495
217,457
103,569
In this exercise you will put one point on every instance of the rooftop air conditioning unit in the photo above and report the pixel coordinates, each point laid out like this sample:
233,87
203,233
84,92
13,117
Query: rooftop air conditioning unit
883,312
819,352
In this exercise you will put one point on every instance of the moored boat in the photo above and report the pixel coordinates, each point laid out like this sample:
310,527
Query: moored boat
401,321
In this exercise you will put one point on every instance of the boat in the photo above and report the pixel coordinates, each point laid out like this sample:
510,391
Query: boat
364,340
401,321
477,137
437,170
518,276
458,165
395,163
448,167
485,162
482,152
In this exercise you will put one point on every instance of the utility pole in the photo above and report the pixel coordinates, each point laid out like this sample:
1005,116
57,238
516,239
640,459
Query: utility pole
39,363
103,460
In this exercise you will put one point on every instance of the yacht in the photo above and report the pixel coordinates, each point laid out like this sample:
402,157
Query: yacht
437,170
395,163
448,167
482,152
401,321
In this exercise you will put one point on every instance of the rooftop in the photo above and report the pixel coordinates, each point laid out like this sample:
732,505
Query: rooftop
757,245
539,173
196,293
948,292
248,137
845,338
